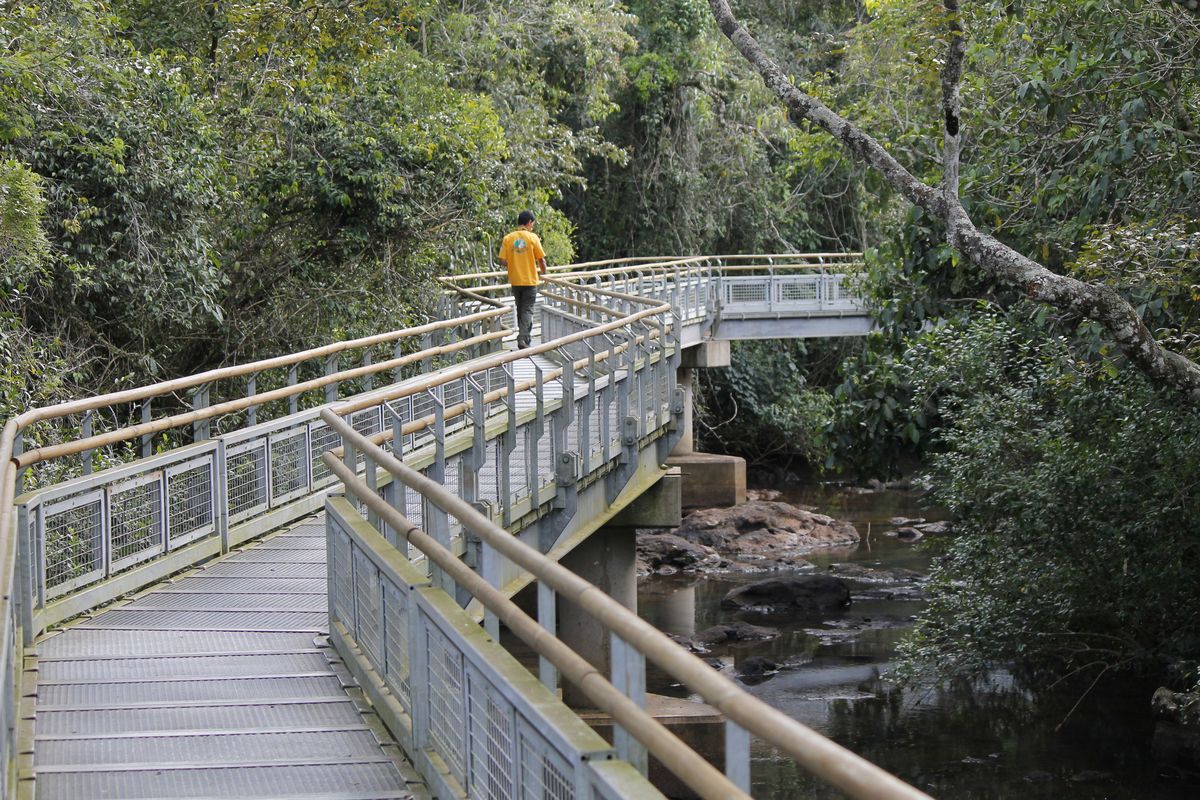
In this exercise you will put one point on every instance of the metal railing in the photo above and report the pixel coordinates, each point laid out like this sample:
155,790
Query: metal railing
120,490
360,609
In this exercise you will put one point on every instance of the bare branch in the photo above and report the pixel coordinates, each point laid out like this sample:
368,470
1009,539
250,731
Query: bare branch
952,101
1104,305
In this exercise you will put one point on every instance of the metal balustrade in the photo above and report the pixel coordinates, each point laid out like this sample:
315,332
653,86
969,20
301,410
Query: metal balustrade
441,721
133,486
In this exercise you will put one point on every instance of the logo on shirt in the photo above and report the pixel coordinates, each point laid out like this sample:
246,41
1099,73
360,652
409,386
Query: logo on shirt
519,245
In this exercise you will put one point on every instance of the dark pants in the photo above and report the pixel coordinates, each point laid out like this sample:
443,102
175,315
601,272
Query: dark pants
525,296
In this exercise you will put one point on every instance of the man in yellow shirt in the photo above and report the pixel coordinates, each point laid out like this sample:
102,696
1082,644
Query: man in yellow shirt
522,255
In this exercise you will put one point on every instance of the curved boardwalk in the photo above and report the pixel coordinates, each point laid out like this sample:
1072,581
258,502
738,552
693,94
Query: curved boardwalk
213,685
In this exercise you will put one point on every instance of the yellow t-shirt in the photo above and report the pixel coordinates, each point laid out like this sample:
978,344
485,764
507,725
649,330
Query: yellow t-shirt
521,250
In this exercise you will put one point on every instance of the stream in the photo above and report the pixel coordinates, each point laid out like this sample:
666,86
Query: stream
966,742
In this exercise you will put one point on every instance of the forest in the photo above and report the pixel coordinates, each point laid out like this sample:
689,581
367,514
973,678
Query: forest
186,184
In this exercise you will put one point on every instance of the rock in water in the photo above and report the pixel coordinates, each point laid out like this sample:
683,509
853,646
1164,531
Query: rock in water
665,552
780,595
764,529
735,632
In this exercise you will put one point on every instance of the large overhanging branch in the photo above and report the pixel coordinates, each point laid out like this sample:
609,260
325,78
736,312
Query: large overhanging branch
1102,304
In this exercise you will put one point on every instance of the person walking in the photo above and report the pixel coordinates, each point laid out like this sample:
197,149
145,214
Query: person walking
522,255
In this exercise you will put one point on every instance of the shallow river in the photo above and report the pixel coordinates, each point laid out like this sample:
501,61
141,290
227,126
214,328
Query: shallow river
976,742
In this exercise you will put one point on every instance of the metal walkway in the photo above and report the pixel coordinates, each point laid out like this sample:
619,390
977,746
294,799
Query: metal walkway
221,682
216,684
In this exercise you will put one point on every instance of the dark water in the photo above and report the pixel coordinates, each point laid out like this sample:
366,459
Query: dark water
970,742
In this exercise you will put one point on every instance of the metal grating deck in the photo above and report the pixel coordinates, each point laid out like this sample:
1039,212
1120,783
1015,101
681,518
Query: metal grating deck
211,685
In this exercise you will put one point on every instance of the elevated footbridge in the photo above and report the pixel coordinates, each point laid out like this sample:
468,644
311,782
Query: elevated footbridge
287,579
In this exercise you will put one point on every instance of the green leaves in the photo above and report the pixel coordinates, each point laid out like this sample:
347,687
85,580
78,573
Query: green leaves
1068,481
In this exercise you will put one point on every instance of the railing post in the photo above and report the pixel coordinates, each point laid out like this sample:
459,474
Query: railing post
85,458
644,372
489,569
18,448
397,351
221,495
251,390
473,459
437,521
737,755
331,368
534,434
293,400
589,407
395,491
369,378
606,398
629,676
371,473
547,614
31,575
508,446
147,439
562,419
201,429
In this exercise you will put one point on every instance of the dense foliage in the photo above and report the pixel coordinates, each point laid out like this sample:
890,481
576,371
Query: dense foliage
1073,487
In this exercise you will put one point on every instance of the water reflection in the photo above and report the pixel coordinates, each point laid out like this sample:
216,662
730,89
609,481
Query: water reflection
982,740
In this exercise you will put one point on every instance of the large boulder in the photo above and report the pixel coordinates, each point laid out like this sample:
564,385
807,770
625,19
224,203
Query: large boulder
792,593
665,553
765,529
1177,732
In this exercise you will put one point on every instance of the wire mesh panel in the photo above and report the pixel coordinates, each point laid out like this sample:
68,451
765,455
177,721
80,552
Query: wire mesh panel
73,542
368,604
447,720
367,421
398,665
246,479
341,574
545,774
190,501
289,465
746,291
514,463
492,733
321,439
802,290
136,520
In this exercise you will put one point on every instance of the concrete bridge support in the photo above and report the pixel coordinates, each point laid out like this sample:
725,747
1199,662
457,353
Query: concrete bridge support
608,558
708,480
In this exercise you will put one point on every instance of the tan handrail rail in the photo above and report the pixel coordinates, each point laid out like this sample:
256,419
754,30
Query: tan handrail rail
128,432
831,762
458,409
498,360
651,259
236,371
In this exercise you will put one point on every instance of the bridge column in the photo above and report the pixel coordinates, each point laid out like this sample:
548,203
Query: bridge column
607,558
708,479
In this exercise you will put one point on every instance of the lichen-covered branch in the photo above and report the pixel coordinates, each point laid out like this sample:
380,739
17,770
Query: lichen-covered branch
952,101
1105,306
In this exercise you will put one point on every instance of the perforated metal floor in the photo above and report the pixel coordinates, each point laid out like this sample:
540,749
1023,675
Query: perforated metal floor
211,686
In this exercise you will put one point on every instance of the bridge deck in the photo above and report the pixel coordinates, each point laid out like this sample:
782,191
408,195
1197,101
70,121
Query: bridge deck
212,685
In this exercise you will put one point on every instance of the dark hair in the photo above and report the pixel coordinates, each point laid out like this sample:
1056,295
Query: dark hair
525,217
